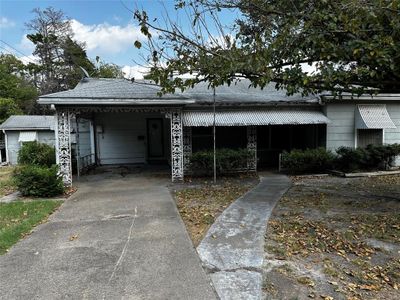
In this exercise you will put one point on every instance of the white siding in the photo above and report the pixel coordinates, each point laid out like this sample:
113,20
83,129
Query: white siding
119,143
13,145
340,131
84,138
392,135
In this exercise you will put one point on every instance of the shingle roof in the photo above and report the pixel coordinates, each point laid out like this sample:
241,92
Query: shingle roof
123,92
29,123
112,91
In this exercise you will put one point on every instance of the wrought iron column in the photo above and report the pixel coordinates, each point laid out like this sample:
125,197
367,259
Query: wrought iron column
187,147
252,147
63,145
176,146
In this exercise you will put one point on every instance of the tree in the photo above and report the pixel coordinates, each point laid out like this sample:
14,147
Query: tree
352,45
107,70
15,84
60,57
8,107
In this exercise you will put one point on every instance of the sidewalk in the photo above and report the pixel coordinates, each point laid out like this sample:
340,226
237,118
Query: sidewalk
233,249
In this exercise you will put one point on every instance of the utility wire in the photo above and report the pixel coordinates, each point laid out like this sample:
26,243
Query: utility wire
16,50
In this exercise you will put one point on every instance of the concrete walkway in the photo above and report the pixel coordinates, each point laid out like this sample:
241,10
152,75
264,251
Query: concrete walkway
116,238
233,249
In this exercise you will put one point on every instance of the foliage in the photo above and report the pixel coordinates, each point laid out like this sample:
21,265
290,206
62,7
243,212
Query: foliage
350,44
307,161
59,55
107,70
346,159
38,181
35,153
8,107
369,158
15,83
226,159
18,218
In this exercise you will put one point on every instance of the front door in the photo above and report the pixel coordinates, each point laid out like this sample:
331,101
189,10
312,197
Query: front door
155,139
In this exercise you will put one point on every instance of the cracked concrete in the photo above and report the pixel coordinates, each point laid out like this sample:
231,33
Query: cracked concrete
129,243
233,249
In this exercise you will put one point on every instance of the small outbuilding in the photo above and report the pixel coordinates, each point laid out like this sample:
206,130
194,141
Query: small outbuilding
20,129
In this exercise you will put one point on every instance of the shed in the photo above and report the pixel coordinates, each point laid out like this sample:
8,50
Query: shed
20,129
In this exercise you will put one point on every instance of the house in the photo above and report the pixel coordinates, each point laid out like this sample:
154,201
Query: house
126,122
20,129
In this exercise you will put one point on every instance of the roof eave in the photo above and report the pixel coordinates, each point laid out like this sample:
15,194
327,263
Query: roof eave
88,101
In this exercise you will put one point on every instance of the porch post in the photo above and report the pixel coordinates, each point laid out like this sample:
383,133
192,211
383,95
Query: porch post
176,146
187,147
252,147
63,145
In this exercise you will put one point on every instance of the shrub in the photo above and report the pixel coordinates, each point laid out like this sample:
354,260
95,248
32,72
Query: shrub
370,158
37,181
35,153
227,160
307,161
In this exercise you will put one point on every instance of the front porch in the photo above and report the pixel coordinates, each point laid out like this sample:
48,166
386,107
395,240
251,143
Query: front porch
105,136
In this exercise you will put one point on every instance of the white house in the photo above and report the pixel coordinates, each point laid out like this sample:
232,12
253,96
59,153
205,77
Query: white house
124,122
20,129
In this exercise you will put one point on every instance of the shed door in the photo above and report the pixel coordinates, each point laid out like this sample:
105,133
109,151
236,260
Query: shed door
155,138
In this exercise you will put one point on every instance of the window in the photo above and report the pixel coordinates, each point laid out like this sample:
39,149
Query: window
367,137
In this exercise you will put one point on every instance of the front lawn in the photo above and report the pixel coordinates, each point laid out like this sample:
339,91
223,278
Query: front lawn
200,202
19,217
335,238
6,184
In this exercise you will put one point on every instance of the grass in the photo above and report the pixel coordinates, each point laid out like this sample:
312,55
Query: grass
18,218
201,204
6,183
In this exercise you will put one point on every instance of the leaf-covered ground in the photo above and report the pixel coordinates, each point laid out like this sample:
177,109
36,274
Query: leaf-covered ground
18,218
335,238
6,184
200,202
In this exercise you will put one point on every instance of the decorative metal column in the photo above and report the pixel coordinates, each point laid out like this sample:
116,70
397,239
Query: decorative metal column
63,145
252,146
187,147
176,146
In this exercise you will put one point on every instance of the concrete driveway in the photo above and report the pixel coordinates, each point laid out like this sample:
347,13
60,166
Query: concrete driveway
116,238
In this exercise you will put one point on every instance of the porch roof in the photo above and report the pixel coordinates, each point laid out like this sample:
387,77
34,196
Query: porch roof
254,117
100,91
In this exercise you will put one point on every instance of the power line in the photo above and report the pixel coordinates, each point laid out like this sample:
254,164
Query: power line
16,50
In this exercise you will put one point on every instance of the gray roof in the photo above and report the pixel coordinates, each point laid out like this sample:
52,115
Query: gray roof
112,91
93,91
240,92
29,123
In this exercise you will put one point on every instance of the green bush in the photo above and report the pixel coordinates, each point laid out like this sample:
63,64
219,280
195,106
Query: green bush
370,158
227,160
307,161
37,181
35,153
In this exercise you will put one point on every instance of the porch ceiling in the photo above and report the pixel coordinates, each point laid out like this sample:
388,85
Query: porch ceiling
253,117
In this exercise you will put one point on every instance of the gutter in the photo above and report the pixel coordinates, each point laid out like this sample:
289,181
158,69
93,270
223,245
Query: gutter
88,101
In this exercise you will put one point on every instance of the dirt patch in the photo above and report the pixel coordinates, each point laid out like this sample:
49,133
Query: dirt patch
338,237
200,202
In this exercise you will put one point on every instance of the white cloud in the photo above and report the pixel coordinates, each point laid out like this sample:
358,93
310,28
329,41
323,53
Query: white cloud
26,45
105,38
137,72
6,23
29,59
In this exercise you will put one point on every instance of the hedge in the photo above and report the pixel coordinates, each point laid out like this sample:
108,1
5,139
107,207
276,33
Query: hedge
35,153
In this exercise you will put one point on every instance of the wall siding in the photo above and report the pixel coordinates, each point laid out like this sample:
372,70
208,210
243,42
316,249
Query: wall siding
340,131
119,142
13,145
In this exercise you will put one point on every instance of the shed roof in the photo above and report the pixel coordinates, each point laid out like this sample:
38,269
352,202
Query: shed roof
92,91
29,123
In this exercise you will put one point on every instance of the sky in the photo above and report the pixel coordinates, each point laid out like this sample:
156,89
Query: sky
106,27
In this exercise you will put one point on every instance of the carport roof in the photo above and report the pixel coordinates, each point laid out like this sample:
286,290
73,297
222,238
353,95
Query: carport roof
100,91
